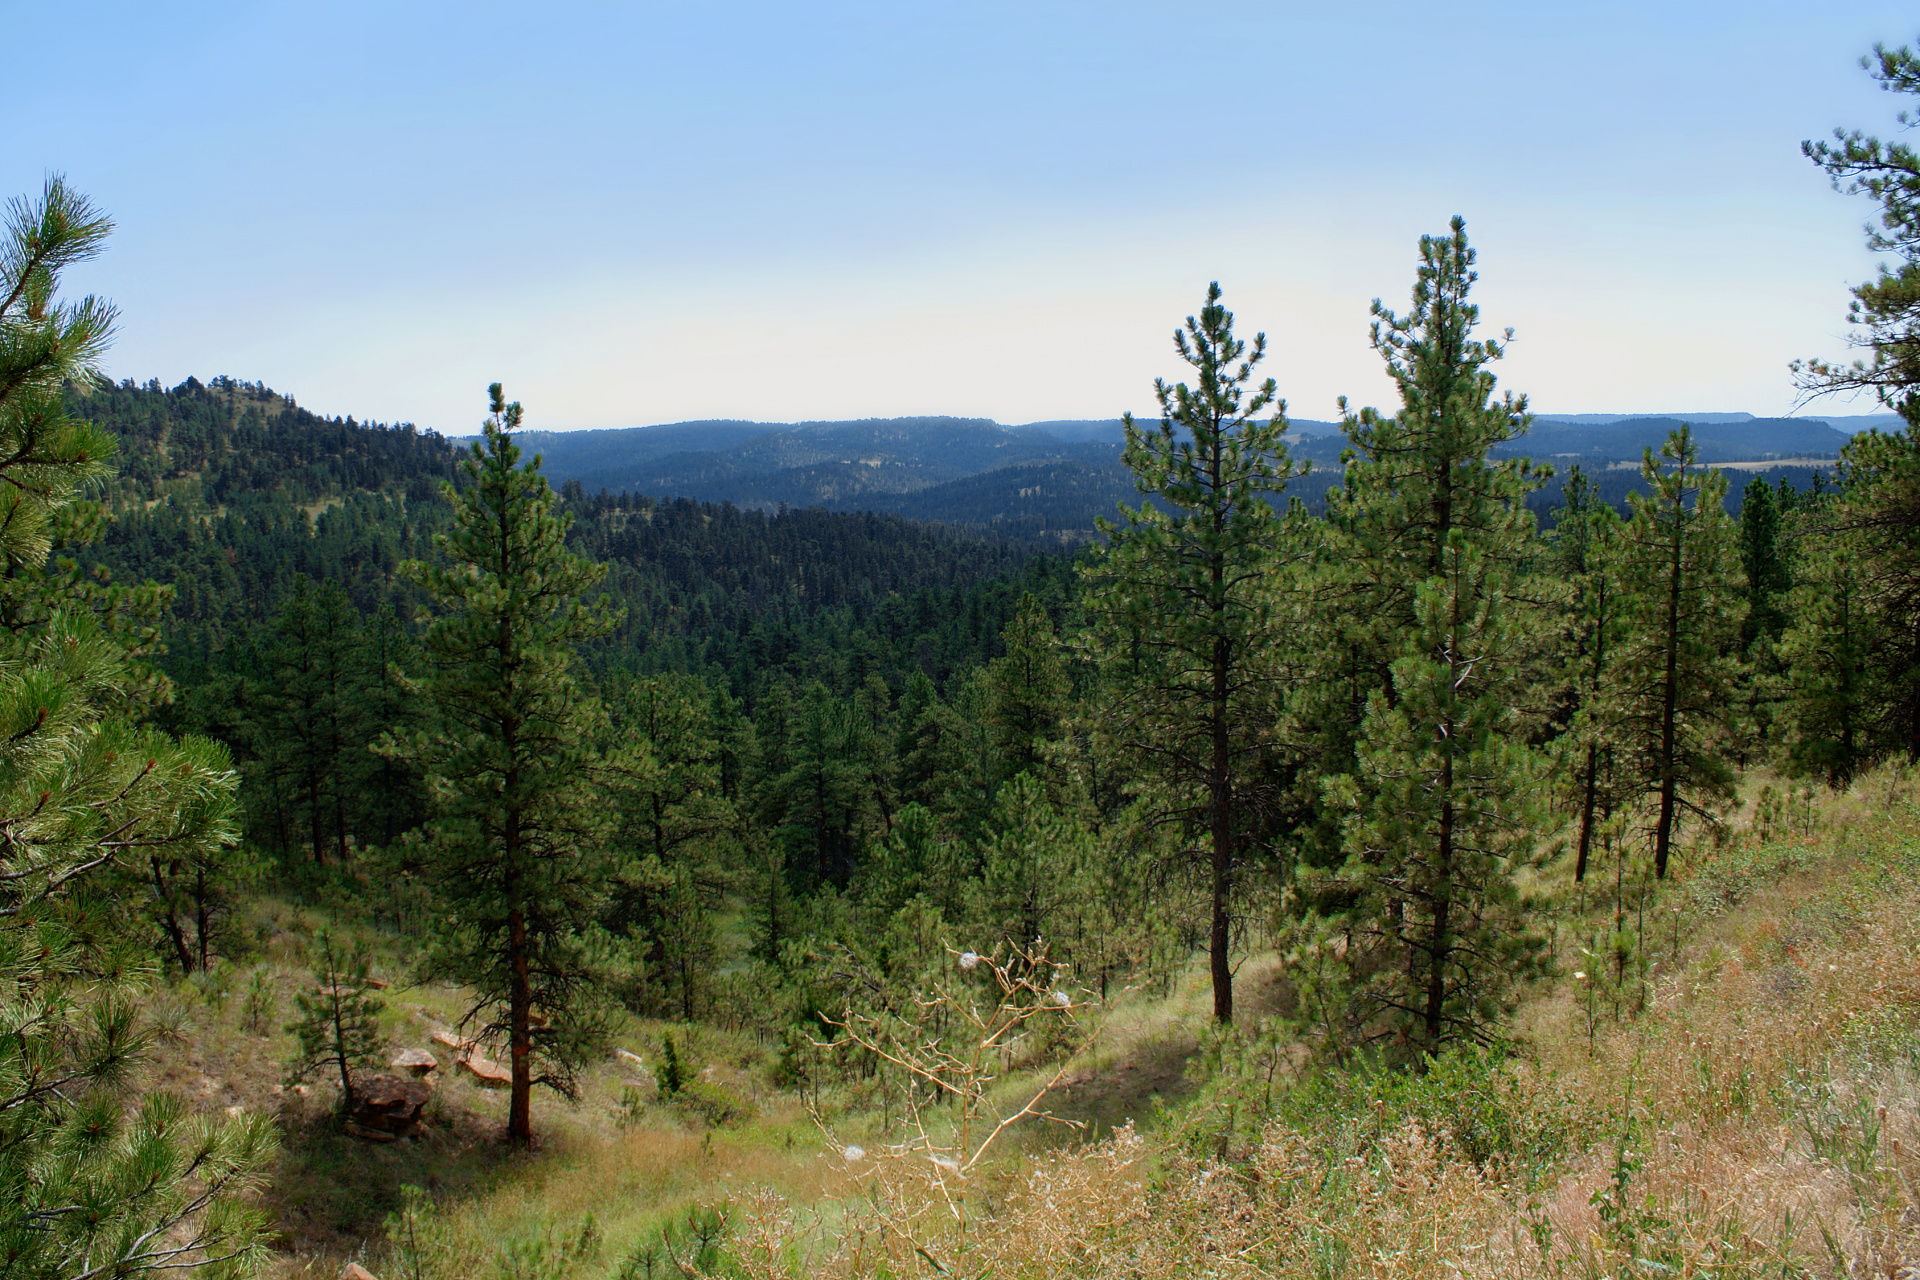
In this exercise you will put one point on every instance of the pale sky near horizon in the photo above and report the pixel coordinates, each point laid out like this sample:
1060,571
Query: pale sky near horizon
637,213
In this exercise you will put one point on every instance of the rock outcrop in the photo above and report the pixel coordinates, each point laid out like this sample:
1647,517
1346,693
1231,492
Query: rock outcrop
387,1107
415,1062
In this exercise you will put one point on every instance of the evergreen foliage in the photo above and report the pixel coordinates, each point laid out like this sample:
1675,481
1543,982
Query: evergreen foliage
1763,558
516,847
795,754
1854,646
1680,574
338,1027
90,1183
1026,690
1585,541
1833,682
1434,580
1183,603
1887,308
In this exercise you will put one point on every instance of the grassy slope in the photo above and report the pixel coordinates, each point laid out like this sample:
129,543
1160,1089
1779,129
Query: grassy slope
1756,1117
1751,1109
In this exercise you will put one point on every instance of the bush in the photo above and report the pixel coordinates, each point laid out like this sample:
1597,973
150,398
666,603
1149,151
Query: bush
1474,1098
717,1104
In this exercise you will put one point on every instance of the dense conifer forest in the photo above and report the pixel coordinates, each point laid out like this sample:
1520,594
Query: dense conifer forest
1385,819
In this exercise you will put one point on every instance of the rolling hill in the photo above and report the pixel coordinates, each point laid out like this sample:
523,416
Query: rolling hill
1049,481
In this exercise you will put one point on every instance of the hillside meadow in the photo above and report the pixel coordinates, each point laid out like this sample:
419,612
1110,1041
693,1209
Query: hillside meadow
1746,1104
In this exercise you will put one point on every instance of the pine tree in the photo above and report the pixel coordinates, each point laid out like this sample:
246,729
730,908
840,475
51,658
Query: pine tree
821,796
1027,689
1763,556
923,729
1766,560
1585,540
1830,676
1034,864
1887,307
1872,527
1680,575
1183,607
315,693
516,849
676,835
89,1185
1431,556
1875,529
338,1028
393,800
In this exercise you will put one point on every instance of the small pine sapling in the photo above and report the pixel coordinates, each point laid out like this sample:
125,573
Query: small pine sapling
673,1074
262,1002
339,1024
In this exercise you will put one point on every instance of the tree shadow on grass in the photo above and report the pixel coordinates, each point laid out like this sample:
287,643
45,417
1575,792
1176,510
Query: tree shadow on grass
1130,1089
332,1191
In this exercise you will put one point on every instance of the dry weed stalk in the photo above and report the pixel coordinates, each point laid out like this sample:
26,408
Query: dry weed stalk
952,1045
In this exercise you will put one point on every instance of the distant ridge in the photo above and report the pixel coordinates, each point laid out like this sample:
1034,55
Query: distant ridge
1051,479
1847,424
1606,419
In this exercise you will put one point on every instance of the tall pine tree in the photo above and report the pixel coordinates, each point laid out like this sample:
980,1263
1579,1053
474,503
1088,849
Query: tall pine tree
1679,567
1183,604
516,849
1431,559
92,1183
1585,539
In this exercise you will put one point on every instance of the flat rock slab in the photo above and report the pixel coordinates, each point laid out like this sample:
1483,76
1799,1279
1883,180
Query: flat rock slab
485,1072
415,1062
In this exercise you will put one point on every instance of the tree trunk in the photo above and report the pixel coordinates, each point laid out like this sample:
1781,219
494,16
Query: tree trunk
519,987
1220,786
339,1032
202,915
340,823
169,923
1586,812
520,1033
316,819
1670,698
1439,943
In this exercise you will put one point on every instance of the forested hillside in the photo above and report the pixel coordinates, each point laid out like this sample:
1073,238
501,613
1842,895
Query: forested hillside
230,495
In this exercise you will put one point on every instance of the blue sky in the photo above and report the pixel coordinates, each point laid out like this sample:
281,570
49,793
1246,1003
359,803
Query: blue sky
635,213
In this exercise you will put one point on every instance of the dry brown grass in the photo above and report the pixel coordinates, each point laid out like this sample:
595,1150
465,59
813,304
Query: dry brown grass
1760,1117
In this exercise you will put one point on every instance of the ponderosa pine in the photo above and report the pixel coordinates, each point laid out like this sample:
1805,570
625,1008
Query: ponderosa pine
1183,603
92,1183
1584,538
1429,566
1679,567
517,847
